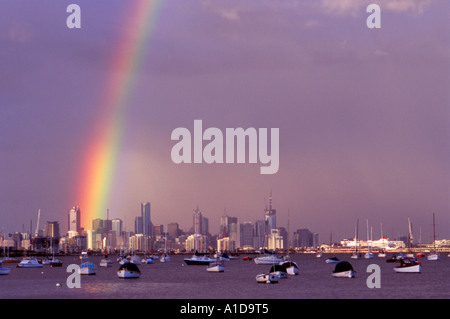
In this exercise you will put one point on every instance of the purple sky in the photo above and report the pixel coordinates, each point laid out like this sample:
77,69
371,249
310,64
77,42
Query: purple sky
363,113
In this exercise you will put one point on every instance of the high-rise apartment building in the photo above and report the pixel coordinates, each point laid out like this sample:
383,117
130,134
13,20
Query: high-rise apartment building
74,218
147,227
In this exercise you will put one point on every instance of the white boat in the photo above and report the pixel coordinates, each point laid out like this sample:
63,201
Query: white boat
319,255
28,262
147,260
87,268
84,256
106,262
332,260
290,266
267,278
368,255
408,265
382,254
343,269
356,254
216,267
4,270
433,254
198,259
128,270
165,258
222,256
268,260
279,270
134,260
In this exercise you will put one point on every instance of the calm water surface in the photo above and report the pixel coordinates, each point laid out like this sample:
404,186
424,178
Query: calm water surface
176,280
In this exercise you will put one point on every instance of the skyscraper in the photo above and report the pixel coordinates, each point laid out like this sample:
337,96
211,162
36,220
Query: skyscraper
270,216
147,227
74,218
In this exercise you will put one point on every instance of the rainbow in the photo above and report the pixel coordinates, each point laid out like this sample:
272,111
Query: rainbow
100,160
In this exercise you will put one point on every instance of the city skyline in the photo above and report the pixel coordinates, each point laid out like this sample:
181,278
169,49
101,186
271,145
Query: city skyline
362,113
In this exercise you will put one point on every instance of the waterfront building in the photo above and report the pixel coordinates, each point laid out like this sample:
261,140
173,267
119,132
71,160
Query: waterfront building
246,230
147,226
275,240
74,218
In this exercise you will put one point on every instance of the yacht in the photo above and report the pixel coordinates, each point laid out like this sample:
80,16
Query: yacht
199,259
356,254
147,260
215,266
279,270
269,278
84,256
409,265
28,262
106,262
269,258
332,260
54,262
369,254
128,270
433,254
87,268
4,270
343,269
165,258
291,266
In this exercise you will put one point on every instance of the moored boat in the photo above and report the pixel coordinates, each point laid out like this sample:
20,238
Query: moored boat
146,260
408,265
279,270
332,260
4,270
269,278
55,262
28,262
105,262
343,269
215,266
10,260
291,267
199,259
128,270
165,258
87,268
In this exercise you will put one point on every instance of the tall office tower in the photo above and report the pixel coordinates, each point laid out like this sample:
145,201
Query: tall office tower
116,225
173,230
138,229
197,221
259,234
247,230
74,218
52,230
270,216
147,227
98,225
225,222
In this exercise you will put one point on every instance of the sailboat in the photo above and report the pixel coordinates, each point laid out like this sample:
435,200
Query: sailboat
433,254
410,240
369,254
4,270
165,258
355,254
